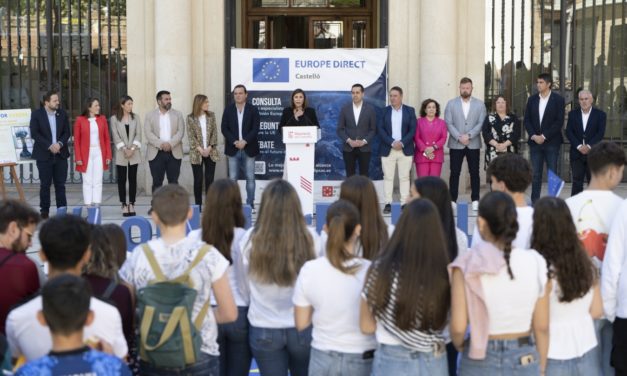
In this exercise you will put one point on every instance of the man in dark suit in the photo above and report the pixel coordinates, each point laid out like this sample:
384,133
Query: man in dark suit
396,130
356,128
240,126
544,120
50,129
585,128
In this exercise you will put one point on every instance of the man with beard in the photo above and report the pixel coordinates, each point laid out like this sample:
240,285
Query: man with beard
164,129
20,277
464,118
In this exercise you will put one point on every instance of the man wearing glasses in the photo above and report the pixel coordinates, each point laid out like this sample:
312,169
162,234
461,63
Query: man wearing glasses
20,275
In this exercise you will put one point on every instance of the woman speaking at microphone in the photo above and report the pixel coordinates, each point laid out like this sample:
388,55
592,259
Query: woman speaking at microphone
298,114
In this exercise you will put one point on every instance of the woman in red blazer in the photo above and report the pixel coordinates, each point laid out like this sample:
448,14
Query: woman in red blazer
92,149
430,137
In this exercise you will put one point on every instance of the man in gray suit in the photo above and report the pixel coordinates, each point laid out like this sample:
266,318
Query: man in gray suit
164,129
356,128
464,118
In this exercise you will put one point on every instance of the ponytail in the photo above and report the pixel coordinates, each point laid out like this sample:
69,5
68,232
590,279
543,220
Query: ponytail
342,219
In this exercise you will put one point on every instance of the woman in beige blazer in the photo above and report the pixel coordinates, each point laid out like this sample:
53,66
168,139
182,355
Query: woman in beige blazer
126,131
203,145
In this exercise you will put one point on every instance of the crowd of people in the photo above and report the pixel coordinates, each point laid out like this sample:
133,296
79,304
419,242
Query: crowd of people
541,291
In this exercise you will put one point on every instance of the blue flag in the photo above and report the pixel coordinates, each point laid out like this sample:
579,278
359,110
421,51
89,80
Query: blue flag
271,70
555,184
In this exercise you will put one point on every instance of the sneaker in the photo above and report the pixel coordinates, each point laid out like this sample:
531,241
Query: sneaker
475,205
387,209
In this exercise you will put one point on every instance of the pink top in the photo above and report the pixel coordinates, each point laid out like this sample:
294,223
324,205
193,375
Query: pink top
484,258
429,134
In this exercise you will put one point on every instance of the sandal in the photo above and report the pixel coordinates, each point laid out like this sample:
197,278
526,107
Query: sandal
131,210
125,212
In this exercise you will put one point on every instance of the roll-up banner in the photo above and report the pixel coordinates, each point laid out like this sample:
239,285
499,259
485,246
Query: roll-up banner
326,76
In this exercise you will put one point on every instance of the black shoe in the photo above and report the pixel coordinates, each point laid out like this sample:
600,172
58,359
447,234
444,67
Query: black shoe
44,215
403,207
387,209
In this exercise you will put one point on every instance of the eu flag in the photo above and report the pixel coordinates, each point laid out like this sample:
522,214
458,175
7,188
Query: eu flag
554,184
271,70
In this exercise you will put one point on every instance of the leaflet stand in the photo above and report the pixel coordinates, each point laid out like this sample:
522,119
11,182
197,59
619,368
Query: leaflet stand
299,162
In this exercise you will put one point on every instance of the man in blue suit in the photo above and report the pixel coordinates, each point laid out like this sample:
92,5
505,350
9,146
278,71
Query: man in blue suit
240,127
50,129
544,120
396,130
585,128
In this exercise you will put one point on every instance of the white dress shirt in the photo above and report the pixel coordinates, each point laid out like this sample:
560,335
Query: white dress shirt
466,107
165,129
357,111
203,128
397,123
543,102
584,118
240,122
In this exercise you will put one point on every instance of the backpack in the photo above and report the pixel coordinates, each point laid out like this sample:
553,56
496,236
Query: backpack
167,338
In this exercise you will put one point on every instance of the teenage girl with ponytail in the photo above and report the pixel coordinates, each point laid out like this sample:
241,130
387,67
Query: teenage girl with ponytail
503,294
327,293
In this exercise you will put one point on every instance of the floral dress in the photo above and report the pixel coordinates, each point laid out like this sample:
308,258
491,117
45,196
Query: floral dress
501,130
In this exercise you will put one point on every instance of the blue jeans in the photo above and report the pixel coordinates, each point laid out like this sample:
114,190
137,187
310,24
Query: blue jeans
235,355
603,351
585,365
206,365
503,357
540,154
333,363
277,350
242,161
399,361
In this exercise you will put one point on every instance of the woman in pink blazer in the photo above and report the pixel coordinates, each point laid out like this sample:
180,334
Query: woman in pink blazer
430,138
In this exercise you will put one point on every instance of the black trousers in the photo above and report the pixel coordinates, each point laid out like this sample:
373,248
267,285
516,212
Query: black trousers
580,171
618,360
457,159
352,157
52,170
209,167
164,164
132,182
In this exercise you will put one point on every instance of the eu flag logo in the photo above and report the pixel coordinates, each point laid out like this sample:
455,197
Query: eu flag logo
271,70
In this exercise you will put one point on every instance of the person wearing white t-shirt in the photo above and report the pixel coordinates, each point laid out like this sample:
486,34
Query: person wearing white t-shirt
174,253
273,252
222,226
511,173
65,246
501,293
575,298
593,212
327,294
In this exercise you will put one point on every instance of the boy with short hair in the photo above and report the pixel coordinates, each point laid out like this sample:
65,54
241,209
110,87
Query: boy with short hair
175,255
66,301
65,246
511,173
593,212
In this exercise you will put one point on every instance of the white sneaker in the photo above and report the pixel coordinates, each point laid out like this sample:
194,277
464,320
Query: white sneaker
475,205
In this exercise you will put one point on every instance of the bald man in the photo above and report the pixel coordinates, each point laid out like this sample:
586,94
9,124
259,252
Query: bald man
585,128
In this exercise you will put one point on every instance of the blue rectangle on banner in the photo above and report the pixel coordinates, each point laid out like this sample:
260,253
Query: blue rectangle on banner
271,70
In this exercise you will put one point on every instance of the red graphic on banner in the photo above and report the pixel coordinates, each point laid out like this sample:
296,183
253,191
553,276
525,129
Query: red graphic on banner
306,184
327,191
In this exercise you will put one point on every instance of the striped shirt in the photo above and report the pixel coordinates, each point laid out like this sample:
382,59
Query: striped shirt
414,339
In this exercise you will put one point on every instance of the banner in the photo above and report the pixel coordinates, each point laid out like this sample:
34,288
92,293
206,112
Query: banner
326,76
16,144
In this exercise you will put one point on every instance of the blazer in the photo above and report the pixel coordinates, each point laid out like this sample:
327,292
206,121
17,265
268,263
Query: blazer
250,129
81,141
41,133
552,121
459,125
408,130
152,129
364,128
429,135
595,130
121,140
194,134
288,120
